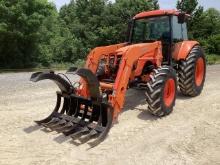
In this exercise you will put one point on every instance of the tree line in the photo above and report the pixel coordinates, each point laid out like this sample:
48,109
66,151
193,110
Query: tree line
33,33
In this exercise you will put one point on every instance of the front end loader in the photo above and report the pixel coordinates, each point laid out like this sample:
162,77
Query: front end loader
157,58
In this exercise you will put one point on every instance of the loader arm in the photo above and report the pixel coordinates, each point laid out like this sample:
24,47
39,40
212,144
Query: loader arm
149,51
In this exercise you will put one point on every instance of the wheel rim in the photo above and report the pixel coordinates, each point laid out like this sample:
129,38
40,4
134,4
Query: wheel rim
169,92
199,72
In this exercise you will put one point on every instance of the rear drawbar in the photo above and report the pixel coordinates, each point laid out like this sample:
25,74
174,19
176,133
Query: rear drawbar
80,118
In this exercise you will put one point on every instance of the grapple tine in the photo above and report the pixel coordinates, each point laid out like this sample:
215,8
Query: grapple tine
59,124
77,122
66,127
71,130
77,109
53,114
80,132
76,127
40,122
65,106
72,107
103,130
53,121
85,112
92,134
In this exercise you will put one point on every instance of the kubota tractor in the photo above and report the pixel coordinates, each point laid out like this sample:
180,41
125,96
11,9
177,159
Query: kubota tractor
156,57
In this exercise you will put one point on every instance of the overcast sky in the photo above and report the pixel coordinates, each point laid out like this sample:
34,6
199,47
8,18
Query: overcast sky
164,4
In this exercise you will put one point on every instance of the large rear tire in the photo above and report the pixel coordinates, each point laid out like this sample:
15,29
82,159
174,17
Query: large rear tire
192,72
161,91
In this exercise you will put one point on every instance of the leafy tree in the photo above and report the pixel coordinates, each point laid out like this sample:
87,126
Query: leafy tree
188,6
209,32
123,10
203,26
20,22
191,7
47,42
33,33
100,22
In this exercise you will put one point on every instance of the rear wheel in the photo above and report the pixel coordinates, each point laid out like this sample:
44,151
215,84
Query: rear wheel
161,91
192,72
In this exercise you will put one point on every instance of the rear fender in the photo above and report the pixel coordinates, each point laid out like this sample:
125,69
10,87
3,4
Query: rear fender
182,49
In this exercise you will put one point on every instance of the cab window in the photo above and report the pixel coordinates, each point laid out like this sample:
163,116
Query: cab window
179,30
151,29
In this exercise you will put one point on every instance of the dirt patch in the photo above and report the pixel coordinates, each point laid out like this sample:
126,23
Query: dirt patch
190,135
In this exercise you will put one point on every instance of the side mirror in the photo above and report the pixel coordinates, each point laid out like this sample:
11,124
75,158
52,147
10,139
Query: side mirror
181,18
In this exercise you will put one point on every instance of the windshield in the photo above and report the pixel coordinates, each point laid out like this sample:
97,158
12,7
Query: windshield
151,29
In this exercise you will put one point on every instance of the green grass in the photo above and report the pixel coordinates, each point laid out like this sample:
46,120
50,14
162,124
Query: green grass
54,66
38,68
213,59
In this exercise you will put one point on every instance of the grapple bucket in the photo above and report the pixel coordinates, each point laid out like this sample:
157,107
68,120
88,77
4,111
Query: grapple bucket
80,118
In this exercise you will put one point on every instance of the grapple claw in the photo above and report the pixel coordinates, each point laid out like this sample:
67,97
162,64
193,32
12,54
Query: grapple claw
79,117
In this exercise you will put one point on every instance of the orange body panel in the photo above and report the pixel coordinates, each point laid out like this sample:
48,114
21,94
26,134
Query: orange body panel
130,55
156,13
154,59
129,62
95,55
92,63
133,60
182,49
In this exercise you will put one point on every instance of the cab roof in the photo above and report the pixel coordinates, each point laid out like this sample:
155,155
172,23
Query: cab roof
156,13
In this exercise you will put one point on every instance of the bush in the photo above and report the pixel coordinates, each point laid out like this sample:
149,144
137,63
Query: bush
213,59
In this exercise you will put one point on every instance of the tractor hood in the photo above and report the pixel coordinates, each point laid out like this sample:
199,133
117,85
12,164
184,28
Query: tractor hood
143,48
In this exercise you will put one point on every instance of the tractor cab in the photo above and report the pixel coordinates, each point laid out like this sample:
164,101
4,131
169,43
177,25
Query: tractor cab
167,26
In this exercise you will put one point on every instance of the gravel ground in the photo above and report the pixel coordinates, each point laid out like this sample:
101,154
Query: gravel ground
190,135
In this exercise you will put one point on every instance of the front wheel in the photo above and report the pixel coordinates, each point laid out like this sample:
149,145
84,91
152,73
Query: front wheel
161,91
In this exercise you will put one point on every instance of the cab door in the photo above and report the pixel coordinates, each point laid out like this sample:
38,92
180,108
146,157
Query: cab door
179,34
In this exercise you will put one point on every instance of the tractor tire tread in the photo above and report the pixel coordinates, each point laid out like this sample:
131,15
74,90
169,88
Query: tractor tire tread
154,90
186,77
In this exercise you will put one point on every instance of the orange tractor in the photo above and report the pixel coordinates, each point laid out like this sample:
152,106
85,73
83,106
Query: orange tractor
157,58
